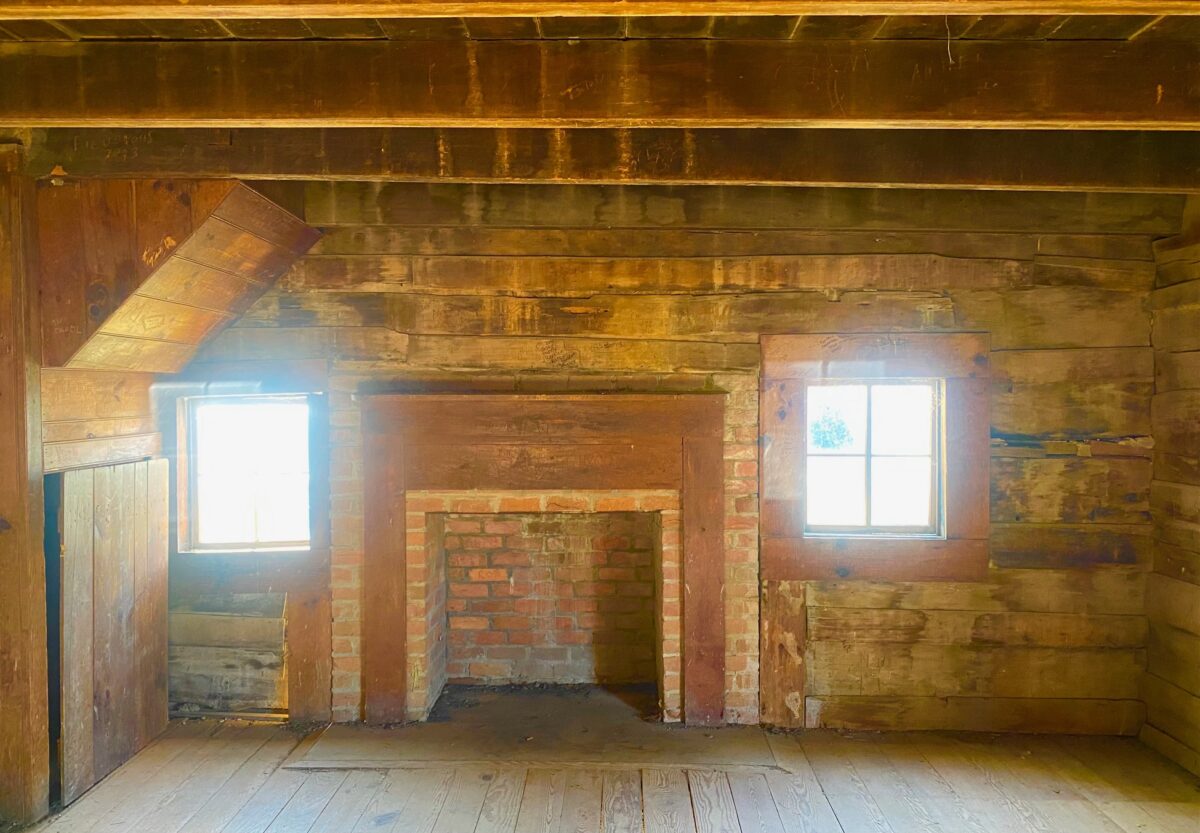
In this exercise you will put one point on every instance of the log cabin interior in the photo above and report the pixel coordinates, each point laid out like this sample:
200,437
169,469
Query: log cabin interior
672,416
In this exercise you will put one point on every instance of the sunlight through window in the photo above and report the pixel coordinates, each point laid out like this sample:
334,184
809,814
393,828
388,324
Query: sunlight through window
250,473
873,457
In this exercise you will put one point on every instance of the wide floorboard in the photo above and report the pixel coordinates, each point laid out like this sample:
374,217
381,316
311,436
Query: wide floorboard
210,776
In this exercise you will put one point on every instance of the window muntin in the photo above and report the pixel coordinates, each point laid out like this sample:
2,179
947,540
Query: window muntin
873,462
248,484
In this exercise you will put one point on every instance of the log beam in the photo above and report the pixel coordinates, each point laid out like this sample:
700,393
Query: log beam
1134,161
569,8
664,83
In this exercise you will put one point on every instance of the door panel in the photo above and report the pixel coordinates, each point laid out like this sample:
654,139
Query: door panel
114,617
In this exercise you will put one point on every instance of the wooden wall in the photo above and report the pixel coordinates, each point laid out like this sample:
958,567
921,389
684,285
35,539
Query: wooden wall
1171,687
653,288
114,617
96,417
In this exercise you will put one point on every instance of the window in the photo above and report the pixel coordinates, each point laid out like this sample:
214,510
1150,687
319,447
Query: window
873,457
247,482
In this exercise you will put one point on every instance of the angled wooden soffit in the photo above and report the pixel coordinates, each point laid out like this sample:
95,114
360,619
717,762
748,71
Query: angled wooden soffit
198,283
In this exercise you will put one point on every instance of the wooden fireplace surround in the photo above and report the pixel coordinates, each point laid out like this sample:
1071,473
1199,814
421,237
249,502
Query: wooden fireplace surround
432,442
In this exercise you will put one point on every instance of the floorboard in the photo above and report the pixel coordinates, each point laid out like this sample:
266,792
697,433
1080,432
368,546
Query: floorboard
232,777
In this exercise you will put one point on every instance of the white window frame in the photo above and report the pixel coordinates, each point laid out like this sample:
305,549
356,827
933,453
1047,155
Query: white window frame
936,529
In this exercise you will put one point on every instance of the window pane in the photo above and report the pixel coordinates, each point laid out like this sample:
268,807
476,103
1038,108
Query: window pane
251,471
282,504
902,419
224,509
837,419
901,491
836,491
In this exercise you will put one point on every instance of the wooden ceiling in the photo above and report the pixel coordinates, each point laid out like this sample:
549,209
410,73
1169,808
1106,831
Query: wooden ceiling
1111,27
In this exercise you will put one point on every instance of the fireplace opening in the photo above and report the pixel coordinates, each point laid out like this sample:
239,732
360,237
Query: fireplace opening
583,593
552,598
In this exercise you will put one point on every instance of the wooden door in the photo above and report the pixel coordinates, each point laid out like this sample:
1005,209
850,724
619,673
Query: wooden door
114,617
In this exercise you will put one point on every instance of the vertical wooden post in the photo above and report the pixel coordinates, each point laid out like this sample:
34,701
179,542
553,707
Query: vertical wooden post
24,735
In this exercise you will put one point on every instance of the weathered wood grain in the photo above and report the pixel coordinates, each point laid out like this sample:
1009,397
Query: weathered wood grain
24,765
1069,716
715,207
1076,160
281,10
602,83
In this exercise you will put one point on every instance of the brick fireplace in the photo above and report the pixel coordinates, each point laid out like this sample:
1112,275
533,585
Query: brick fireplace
440,471
551,587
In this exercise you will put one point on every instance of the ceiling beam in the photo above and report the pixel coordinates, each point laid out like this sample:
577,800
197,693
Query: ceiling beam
1165,161
664,83
569,8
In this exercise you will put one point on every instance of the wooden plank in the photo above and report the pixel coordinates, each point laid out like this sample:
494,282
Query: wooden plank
1112,590
699,207
556,418
1065,546
1054,490
712,803
636,464
588,275
622,801
1038,714
322,9
113,582
384,639
961,627
1141,161
755,805
347,805
781,661
77,660
309,655
814,559
306,805
581,809
478,246
93,394
83,429
925,670
1045,84
667,802
153,601
104,351
702,499
503,802
428,798
227,679
60,456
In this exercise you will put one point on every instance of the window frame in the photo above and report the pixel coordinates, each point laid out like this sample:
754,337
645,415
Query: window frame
936,529
186,502
789,364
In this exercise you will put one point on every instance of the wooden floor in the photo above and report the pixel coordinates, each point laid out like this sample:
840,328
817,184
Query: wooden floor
229,777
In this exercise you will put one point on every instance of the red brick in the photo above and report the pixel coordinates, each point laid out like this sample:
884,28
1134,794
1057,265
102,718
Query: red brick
468,589
502,527
469,623
512,623
488,574
463,525
481,542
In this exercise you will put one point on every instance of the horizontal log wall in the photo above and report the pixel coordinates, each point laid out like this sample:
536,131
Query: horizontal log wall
1171,687
493,287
